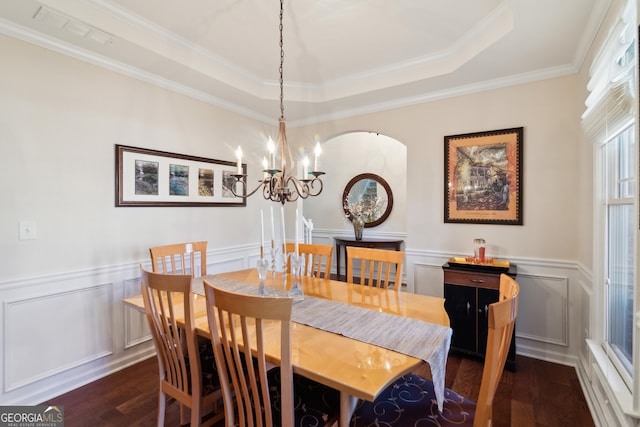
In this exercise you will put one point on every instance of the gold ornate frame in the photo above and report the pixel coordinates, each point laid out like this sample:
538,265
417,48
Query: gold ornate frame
483,177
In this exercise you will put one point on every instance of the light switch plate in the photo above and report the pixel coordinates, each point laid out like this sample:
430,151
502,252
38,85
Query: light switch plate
27,230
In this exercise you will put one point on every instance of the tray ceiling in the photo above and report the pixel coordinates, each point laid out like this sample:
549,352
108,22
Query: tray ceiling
341,57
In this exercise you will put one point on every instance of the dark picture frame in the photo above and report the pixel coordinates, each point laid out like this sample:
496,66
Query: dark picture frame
388,196
483,177
146,177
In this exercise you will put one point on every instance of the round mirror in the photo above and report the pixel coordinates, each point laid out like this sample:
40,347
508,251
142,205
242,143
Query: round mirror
369,196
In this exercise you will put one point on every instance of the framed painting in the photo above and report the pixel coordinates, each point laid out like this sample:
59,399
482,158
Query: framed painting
483,177
147,177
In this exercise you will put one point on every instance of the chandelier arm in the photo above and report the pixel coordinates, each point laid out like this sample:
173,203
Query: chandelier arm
242,180
312,183
268,187
297,185
276,188
289,195
265,192
304,187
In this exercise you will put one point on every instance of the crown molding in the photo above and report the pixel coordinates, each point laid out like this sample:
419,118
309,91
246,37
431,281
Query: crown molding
424,98
30,36
27,35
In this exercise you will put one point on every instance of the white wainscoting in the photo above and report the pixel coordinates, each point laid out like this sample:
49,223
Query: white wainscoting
608,397
424,277
549,306
66,330
136,327
51,322
544,316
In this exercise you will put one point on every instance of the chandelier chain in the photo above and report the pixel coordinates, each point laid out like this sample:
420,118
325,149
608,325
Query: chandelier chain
276,184
281,69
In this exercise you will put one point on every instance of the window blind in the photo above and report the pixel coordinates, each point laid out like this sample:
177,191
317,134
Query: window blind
610,104
611,114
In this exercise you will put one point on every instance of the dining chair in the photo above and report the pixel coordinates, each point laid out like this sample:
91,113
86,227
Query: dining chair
263,396
185,258
317,259
168,304
180,258
375,266
411,399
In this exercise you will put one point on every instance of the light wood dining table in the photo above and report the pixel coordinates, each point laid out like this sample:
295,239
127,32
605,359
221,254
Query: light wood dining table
357,369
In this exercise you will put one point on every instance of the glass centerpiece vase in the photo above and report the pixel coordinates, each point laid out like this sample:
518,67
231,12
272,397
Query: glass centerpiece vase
297,265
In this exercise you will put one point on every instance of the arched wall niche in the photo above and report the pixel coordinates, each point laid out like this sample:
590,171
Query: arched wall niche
349,154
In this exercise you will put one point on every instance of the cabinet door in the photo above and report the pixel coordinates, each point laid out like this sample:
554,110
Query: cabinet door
485,298
460,304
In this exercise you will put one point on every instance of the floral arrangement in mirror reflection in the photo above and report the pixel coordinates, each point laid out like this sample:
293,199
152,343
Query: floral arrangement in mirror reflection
368,208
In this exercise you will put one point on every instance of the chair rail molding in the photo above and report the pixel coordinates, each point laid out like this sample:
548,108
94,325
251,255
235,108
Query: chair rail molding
76,328
92,298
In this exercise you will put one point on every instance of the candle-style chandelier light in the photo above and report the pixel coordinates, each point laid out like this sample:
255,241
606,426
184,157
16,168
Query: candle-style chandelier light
276,185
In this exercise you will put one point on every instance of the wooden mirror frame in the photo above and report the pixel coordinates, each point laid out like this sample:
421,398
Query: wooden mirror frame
380,181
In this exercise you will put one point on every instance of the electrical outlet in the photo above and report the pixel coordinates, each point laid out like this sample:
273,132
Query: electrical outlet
27,230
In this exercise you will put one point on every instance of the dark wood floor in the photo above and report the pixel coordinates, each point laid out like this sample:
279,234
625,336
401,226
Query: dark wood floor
538,393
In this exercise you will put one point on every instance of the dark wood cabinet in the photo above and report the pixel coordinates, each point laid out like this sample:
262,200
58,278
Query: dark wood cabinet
364,243
468,292
460,306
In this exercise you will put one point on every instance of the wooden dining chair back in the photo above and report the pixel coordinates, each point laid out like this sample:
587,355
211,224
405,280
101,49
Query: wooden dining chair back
375,298
411,399
168,306
502,320
180,258
375,267
317,259
263,396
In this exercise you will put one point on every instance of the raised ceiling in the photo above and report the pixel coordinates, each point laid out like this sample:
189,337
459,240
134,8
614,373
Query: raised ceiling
342,57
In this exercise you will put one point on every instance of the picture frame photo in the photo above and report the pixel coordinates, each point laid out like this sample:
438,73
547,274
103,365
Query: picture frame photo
146,177
483,177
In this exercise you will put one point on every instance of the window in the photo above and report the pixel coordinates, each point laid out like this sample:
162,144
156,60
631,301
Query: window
618,155
610,122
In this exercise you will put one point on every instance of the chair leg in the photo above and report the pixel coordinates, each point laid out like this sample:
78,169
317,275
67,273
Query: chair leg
196,417
184,415
162,402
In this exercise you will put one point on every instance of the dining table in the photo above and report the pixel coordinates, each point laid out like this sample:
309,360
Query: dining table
356,339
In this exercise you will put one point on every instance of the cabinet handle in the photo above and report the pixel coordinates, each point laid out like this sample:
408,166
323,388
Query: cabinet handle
468,308
486,310
477,280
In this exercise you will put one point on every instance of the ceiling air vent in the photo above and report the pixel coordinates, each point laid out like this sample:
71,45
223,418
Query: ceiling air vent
59,20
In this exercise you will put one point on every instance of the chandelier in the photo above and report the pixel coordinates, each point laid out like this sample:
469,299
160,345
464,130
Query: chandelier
276,184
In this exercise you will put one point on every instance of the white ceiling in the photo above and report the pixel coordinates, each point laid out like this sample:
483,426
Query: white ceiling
342,57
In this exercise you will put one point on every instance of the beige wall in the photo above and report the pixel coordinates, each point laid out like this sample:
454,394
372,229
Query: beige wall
548,110
60,119
59,122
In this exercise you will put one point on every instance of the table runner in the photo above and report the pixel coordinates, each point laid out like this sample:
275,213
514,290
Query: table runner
413,337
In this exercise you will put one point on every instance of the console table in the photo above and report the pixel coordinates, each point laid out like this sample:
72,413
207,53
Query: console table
364,243
468,291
